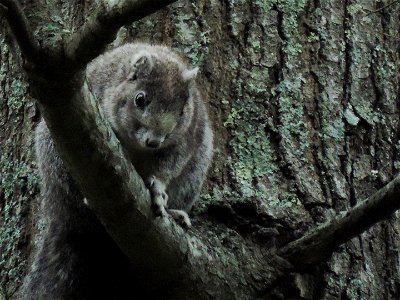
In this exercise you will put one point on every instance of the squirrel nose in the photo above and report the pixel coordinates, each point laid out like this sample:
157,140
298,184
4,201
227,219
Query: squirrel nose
152,143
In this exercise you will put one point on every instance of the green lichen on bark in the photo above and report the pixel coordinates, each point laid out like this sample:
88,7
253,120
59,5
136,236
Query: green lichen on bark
18,185
357,154
254,162
18,181
192,34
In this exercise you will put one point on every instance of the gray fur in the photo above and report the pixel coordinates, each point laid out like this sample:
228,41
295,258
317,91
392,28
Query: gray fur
175,120
169,141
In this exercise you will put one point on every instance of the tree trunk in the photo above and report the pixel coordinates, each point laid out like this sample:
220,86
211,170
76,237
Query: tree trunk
304,102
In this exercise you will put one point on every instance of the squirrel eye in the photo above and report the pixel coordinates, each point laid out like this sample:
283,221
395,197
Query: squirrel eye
140,100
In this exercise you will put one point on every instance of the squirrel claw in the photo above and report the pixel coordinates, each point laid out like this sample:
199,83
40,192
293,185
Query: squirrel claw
181,217
158,195
159,199
159,205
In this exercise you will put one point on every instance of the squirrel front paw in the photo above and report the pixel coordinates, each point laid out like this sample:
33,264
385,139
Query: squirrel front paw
159,201
158,194
181,217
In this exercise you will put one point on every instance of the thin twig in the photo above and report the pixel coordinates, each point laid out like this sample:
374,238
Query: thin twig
382,8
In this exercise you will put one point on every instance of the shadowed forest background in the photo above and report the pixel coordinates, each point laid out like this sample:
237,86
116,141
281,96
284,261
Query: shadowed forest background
304,98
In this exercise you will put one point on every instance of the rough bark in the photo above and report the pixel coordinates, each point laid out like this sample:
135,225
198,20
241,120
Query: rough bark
317,245
308,104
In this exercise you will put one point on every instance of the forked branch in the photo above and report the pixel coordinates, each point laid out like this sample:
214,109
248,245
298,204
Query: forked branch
85,44
100,29
20,28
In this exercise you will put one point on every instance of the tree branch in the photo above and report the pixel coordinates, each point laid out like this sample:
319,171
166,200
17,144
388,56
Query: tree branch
85,44
190,263
100,29
20,28
381,8
117,193
317,245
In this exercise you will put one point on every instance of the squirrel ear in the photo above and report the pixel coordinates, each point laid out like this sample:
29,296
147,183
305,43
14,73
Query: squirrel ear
142,65
190,74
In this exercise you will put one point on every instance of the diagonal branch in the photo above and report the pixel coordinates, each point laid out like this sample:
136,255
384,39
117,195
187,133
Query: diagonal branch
21,30
190,263
381,8
100,29
317,245
117,193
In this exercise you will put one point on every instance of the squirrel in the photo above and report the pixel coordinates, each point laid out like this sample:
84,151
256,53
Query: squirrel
151,99
157,112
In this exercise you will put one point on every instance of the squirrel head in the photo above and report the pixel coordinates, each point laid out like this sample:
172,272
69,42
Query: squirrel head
153,106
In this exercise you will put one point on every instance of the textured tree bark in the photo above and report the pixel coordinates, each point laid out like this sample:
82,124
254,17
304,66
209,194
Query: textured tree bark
307,116
317,245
